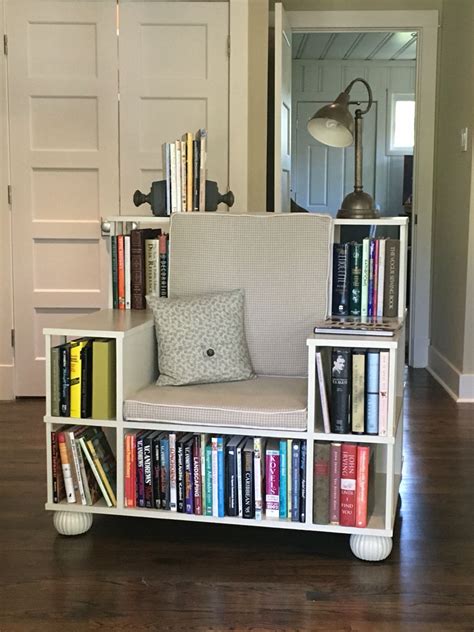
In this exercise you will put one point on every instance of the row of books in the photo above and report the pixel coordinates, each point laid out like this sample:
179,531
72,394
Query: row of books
358,390
366,278
83,379
247,477
83,466
343,488
139,267
185,167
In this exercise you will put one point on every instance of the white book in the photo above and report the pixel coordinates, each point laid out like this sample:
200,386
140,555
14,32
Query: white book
383,392
77,467
322,392
179,201
66,469
215,493
380,277
167,175
174,190
364,293
173,470
128,276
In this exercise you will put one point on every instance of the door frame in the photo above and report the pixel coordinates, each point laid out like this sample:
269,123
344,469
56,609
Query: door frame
426,24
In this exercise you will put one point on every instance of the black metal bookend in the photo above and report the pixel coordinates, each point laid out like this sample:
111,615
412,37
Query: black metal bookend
157,197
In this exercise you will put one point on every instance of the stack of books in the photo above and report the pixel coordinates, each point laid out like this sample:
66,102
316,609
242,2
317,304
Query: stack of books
83,466
342,494
83,379
200,474
139,267
185,167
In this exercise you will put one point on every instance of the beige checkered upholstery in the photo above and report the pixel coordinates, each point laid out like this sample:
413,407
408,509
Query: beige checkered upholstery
282,261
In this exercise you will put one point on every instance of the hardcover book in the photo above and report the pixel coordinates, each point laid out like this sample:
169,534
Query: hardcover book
355,267
340,389
383,393
55,381
391,279
103,378
75,377
64,380
340,280
303,482
231,476
372,392
248,475
197,479
364,326
334,483
321,483
362,485
272,479
259,476
86,380
83,442
322,389
137,264
66,468
295,480
358,391
283,479
348,484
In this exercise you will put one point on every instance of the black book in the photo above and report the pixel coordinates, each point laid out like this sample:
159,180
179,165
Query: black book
86,380
180,478
340,390
231,487
295,479
340,280
303,481
196,179
64,384
355,272
247,482
148,469
156,470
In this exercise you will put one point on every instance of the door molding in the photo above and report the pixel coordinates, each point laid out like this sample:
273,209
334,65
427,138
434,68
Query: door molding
426,23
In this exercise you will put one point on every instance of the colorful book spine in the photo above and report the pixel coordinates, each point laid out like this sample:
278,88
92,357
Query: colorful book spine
203,443
376,277
372,392
348,484
86,380
56,470
358,391
370,289
66,469
272,480
215,476
340,280
364,290
248,476
283,513
208,479
197,479
196,149
148,471
391,279
188,138
334,483
289,477
355,267
323,397
362,485
64,380
220,477
163,250
151,266
127,272
188,476
127,458
303,482
231,493
321,483
173,473
156,471
103,378
383,393
140,471
340,391
180,477
121,272
75,377
75,463
296,479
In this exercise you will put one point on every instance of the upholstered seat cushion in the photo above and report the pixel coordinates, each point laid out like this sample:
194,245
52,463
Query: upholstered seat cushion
278,403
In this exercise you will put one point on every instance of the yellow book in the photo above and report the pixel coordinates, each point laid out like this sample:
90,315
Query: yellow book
75,377
103,378
100,468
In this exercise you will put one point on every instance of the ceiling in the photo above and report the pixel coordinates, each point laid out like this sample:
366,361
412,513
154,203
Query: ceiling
355,46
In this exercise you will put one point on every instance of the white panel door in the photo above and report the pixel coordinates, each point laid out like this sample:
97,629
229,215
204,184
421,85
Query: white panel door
62,69
174,78
283,62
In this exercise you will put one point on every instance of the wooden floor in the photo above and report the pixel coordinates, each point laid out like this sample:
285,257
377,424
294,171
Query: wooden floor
138,574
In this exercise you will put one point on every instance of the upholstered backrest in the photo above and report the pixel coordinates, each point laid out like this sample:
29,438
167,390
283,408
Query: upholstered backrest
281,261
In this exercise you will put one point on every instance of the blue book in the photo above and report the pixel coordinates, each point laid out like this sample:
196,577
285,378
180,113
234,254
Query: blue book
295,481
283,479
220,477
303,482
372,392
208,456
370,297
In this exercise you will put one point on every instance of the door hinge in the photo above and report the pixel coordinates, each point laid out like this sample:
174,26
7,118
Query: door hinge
9,194
228,46
13,338
5,44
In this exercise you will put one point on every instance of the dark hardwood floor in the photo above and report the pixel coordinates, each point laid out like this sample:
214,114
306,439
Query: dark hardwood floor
138,574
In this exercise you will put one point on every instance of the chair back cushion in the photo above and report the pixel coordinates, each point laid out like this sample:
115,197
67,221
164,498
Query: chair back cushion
281,261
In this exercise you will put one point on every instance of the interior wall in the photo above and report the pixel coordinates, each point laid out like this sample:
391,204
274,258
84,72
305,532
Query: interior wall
451,292
362,5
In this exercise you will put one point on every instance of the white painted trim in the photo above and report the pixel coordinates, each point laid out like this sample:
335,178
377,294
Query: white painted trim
426,23
460,386
6,382
238,103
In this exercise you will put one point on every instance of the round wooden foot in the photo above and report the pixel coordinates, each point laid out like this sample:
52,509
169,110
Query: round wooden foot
371,548
72,523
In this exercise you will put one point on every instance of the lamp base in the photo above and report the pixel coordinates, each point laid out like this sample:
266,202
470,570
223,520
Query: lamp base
357,205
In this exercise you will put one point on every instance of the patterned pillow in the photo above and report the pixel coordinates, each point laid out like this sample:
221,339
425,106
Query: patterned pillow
201,339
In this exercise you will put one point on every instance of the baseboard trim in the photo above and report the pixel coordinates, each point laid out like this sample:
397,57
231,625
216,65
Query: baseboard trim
6,382
460,386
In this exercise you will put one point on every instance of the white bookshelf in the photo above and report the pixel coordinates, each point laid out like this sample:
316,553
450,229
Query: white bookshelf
134,337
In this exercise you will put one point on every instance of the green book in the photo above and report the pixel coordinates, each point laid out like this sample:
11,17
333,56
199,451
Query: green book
355,269
103,378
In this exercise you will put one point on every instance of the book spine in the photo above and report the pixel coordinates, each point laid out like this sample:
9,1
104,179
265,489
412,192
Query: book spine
89,456
71,440
272,484
348,484
358,391
340,280
362,485
364,290
202,169
220,477
321,483
151,266
202,445
370,289
86,380
65,392
289,477
188,477
322,392
257,477
82,469
248,491
334,483
376,277
55,381
240,488
137,269
127,272
173,472
167,174
163,250
179,199
295,487
140,473
340,382
183,177
109,477
133,471
127,458
391,280
383,393
197,479
380,278
54,465
303,482
121,272
283,512
66,469
355,266
196,175
165,471
114,266
75,379
180,477
215,495
372,392
189,171
231,481
148,472
174,191
208,480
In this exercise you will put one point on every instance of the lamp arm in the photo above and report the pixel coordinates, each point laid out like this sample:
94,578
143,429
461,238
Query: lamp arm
369,90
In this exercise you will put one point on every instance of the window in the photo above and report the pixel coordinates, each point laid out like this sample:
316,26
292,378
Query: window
401,124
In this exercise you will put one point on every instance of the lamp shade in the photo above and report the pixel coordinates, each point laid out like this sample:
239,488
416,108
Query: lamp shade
333,124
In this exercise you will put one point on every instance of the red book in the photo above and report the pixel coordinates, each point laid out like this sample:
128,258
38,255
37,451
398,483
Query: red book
348,485
362,484
128,471
121,272
197,478
334,482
